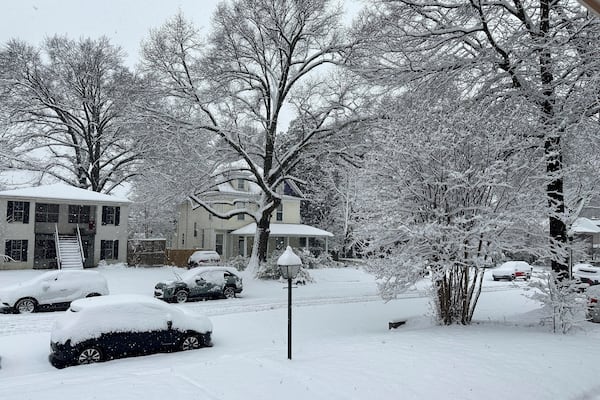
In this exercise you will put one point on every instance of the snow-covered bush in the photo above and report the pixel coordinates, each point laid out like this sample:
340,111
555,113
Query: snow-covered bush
564,301
270,270
446,191
238,262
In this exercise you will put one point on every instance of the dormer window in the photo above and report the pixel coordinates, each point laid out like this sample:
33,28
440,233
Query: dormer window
240,184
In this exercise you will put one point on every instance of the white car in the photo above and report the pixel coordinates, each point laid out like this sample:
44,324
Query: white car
202,257
587,273
512,270
52,290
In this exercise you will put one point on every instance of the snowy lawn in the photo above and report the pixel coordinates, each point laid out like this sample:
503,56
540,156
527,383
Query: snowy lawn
342,348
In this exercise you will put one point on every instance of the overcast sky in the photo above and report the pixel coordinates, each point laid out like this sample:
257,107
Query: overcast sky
125,22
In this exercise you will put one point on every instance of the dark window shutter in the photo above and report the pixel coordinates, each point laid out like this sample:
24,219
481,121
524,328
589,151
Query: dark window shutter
117,215
116,250
24,243
103,215
9,211
7,247
26,215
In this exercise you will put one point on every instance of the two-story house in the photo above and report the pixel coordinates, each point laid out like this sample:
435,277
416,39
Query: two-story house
40,227
200,230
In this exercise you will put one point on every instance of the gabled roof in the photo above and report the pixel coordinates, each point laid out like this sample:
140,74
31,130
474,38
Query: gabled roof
60,192
282,230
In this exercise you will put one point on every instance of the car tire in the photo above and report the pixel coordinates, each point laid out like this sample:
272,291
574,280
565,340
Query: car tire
190,342
229,292
26,305
496,279
89,355
181,296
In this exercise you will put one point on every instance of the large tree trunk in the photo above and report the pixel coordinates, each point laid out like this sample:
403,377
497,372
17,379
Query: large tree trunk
263,232
552,145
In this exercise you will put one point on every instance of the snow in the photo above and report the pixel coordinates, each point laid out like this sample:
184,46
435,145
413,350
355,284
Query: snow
295,230
289,258
88,318
584,225
60,191
342,348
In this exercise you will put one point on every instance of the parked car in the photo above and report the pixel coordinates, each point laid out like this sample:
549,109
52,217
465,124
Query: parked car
52,290
587,273
203,257
201,283
103,328
593,306
512,270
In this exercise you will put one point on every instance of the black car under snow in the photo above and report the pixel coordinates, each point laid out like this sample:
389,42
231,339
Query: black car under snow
102,328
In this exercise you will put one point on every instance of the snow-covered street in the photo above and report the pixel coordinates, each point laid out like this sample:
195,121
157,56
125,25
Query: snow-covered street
342,348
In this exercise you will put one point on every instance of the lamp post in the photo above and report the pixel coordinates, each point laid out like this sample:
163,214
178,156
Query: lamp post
289,265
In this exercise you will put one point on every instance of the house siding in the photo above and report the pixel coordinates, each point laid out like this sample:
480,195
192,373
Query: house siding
95,230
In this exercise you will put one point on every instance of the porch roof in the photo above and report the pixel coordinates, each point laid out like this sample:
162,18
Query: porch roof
284,230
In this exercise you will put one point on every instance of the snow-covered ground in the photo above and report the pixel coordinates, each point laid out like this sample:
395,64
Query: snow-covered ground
342,348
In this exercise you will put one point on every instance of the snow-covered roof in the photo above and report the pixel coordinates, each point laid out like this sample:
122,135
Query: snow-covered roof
584,225
291,230
62,192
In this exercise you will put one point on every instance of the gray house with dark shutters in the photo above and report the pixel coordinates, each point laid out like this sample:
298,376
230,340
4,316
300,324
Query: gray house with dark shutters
60,226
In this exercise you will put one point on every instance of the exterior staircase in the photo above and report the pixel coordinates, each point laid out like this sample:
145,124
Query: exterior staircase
70,254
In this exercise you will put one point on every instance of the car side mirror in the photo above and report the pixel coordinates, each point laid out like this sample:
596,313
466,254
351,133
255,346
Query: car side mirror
199,281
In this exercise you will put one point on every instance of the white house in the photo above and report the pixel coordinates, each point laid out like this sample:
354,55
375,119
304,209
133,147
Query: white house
58,225
198,229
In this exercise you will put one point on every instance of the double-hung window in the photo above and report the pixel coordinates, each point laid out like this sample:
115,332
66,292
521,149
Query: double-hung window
111,215
17,211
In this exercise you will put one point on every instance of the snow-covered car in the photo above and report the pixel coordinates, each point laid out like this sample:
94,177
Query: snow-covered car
203,257
103,328
593,306
586,273
512,270
201,283
52,290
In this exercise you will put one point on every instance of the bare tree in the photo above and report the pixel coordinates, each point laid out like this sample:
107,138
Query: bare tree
263,58
70,98
543,51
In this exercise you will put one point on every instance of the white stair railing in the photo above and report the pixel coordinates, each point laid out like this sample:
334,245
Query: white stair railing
80,246
57,245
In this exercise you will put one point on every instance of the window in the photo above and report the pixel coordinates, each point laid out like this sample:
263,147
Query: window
111,215
45,249
79,214
195,229
16,249
240,184
46,212
279,215
219,243
17,211
241,217
109,249
183,239
241,246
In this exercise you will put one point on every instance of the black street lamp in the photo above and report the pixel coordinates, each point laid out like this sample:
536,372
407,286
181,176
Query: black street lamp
289,265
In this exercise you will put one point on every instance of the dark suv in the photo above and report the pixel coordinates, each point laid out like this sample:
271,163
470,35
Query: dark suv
200,283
